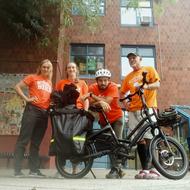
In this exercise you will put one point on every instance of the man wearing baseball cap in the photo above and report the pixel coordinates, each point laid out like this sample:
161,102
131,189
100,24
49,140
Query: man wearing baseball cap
130,84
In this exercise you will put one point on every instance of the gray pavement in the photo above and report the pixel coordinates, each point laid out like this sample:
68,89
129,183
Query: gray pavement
55,182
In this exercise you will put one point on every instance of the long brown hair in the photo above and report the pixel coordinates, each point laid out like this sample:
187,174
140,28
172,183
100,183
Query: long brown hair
38,72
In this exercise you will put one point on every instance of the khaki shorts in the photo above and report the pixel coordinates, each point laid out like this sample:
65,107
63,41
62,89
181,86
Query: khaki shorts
134,118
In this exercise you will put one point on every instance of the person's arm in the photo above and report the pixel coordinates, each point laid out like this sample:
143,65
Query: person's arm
152,86
18,88
153,82
125,103
96,100
107,99
86,104
84,90
125,89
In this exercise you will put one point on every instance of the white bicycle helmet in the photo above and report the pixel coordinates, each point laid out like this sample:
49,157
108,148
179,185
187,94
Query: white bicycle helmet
103,73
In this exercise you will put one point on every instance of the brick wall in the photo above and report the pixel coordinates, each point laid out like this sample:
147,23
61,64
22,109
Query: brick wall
169,35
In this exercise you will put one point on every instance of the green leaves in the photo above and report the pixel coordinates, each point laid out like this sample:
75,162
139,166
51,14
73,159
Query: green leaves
161,5
24,18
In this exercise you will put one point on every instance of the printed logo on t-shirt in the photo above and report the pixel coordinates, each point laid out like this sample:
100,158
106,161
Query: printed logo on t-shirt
135,81
43,85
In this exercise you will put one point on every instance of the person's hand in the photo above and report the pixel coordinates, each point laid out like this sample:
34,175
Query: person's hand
146,86
105,106
84,97
32,99
126,104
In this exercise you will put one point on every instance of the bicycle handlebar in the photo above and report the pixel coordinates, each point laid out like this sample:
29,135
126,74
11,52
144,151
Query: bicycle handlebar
139,91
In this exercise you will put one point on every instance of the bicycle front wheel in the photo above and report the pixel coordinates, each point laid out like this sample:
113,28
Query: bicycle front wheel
73,168
169,159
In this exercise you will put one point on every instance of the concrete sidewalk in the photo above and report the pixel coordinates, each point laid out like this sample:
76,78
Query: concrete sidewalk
53,182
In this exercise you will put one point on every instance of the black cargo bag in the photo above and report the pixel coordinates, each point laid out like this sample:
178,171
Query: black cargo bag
70,126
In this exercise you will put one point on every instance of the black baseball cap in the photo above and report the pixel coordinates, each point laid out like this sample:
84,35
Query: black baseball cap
133,54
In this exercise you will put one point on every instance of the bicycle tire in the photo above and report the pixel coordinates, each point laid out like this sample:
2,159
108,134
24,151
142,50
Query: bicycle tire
170,166
65,166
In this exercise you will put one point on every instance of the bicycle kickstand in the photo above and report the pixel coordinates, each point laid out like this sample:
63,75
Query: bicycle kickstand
93,173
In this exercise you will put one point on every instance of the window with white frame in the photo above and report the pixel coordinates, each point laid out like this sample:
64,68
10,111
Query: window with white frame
92,7
88,57
141,15
146,52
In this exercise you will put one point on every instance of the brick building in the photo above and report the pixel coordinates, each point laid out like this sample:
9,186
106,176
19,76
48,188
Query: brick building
163,42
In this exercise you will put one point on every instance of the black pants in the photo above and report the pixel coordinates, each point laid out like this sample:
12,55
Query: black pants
117,126
33,128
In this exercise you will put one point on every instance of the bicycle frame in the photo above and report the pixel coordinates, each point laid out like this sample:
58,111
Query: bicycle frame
141,129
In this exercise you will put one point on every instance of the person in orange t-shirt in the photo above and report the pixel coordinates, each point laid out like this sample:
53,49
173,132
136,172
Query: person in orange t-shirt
72,77
105,94
130,83
35,116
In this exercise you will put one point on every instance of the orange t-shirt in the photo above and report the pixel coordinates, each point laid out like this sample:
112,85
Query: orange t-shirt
81,87
111,91
39,87
135,78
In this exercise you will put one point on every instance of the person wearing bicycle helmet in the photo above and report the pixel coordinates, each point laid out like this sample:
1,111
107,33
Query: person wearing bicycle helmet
105,93
130,84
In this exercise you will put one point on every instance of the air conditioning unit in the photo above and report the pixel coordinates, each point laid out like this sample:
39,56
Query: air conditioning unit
145,20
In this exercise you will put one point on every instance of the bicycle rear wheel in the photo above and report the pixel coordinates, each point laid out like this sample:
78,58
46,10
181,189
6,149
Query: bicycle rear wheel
73,168
170,160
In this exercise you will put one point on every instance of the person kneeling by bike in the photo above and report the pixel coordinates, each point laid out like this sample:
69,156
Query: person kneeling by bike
105,93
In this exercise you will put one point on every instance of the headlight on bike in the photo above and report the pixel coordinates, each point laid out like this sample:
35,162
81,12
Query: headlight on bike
156,132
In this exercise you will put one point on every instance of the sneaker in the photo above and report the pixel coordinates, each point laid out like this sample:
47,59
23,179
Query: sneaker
113,174
152,175
36,174
142,174
18,174
121,173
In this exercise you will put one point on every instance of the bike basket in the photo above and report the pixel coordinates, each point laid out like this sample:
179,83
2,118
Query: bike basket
168,117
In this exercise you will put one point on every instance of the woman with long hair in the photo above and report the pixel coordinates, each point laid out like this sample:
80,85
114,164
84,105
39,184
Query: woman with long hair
72,74
35,116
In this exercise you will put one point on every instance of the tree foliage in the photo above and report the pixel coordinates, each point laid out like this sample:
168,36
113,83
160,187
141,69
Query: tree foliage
160,6
25,18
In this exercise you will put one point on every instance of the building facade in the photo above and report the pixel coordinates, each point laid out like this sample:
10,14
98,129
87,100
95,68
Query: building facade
163,42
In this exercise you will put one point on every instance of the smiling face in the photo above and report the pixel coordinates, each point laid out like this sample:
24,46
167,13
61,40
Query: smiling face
134,62
45,69
71,70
